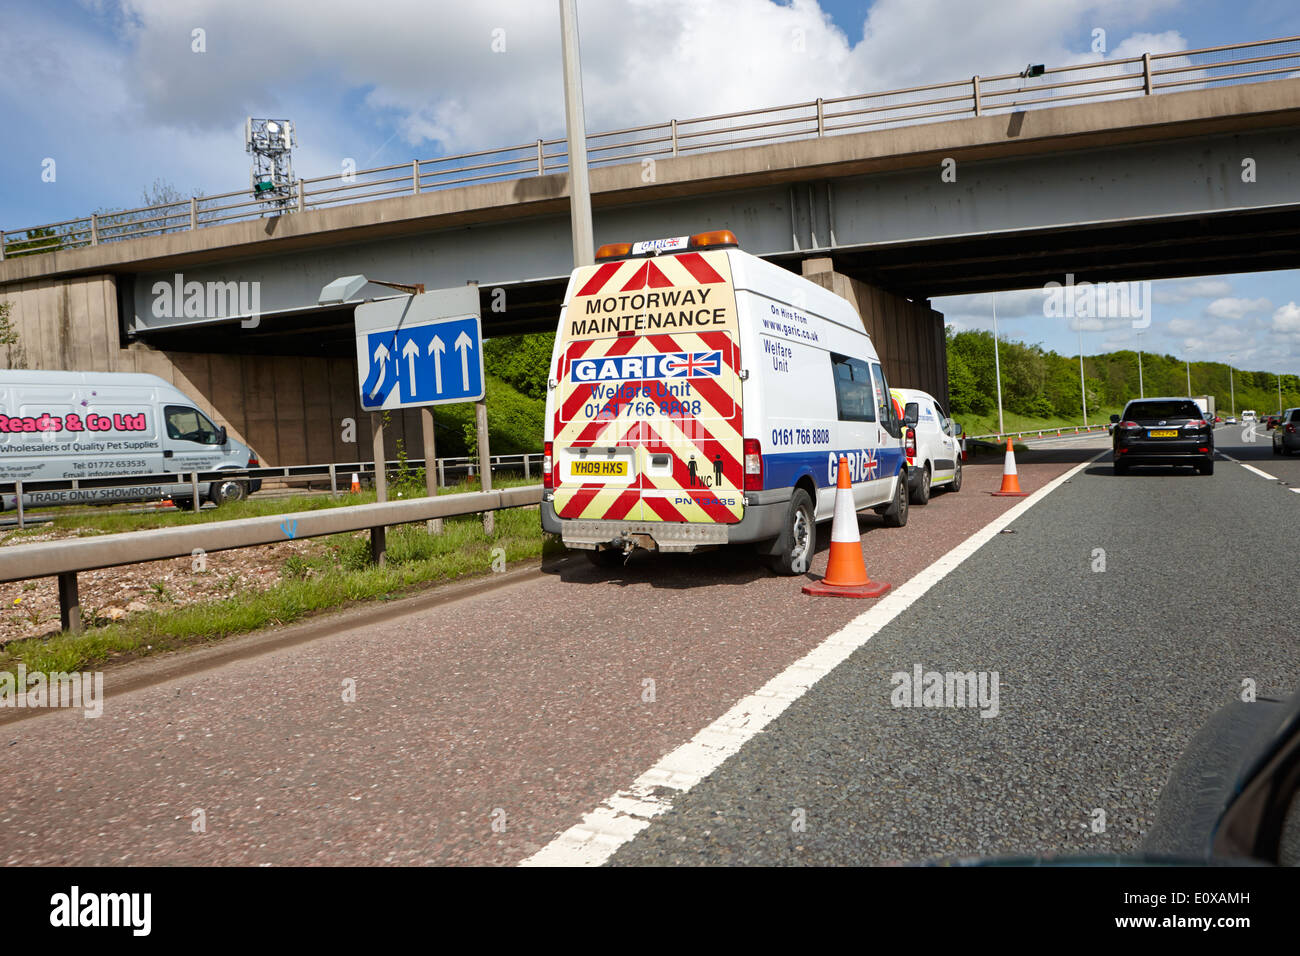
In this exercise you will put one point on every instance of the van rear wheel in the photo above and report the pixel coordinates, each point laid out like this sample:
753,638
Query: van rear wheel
227,490
921,495
798,541
896,514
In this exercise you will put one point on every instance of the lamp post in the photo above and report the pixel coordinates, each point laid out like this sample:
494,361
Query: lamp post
584,250
1141,389
997,364
1232,391
1083,392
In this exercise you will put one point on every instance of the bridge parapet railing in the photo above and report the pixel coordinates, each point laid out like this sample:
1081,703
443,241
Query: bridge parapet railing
1098,81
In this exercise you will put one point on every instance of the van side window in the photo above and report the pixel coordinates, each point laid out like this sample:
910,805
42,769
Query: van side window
852,389
882,397
190,424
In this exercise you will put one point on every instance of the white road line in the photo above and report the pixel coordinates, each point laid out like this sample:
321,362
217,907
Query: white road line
1252,468
626,813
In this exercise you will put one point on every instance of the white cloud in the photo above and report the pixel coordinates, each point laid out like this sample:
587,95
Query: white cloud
1184,290
1236,308
1286,319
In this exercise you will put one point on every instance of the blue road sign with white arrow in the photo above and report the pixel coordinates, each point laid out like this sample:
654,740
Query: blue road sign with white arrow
420,350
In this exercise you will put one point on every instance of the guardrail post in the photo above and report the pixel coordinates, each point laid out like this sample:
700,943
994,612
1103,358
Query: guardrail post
485,463
69,602
2,245
541,159
821,118
94,228
1146,73
194,490
415,177
334,482
975,88
434,525
302,197
674,126
18,501
527,467
379,534
194,212
442,474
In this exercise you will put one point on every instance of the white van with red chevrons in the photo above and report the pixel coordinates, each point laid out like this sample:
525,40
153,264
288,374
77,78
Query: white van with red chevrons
700,396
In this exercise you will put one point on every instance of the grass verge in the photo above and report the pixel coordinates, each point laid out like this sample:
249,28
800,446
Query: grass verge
335,574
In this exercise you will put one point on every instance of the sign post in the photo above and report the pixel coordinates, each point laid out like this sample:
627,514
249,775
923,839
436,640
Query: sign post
416,352
484,462
430,463
379,535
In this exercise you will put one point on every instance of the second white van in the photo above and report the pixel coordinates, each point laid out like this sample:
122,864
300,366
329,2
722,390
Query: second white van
701,396
932,444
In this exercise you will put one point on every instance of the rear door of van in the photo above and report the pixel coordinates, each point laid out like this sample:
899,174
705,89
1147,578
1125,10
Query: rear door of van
647,412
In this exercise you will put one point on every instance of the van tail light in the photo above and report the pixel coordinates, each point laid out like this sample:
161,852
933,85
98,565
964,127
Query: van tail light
911,444
753,465
253,462
548,473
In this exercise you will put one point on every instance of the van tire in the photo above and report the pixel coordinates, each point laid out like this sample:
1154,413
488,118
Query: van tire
895,515
227,490
798,540
955,484
921,494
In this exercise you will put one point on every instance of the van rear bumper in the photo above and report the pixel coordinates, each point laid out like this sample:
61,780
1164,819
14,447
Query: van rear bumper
762,521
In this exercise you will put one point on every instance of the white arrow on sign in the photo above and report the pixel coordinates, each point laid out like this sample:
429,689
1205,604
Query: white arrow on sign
410,352
381,356
437,346
463,344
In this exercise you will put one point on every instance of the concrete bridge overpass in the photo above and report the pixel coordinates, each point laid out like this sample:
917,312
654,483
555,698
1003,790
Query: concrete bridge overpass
1130,185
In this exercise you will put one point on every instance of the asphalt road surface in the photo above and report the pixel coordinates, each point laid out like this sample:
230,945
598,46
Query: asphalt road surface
484,728
1104,676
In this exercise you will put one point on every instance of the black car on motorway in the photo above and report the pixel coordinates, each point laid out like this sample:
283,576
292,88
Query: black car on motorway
1286,436
1162,431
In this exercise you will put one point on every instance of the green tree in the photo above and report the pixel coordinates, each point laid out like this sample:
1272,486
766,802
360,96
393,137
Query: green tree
521,360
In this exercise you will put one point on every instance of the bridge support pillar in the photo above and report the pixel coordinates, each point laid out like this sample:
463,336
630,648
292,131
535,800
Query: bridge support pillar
907,333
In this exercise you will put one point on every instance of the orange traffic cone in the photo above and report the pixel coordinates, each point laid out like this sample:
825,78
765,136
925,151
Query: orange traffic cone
846,572
166,503
356,484
1010,480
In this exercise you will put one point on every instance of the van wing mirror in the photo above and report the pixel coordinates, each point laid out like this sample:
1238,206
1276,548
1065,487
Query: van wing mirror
956,428
222,435
911,412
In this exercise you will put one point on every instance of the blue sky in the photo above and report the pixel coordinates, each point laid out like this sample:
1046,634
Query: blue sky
115,92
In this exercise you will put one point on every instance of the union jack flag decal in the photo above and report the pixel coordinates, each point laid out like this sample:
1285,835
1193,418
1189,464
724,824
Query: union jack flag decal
869,464
693,365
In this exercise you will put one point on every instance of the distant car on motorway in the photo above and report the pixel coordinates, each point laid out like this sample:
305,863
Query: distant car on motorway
1248,416
1286,437
1162,431
1230,421
1271,423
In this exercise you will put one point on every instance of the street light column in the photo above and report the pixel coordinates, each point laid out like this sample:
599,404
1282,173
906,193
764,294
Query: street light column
997,364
